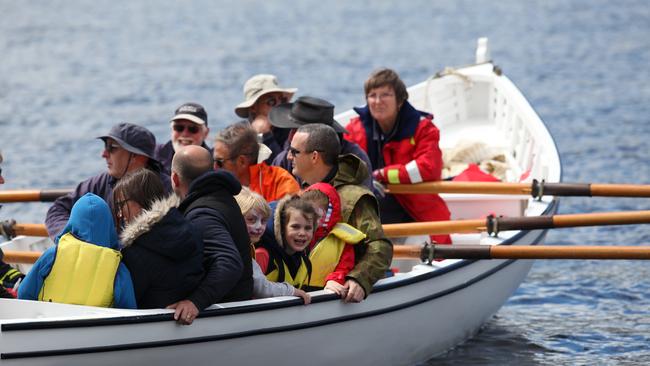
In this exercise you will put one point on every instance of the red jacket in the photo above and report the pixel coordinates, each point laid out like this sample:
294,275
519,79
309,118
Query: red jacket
410,155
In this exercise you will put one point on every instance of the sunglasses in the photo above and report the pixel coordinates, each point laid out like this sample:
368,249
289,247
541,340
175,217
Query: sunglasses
111,148
192,128
293,151
273,101
219,162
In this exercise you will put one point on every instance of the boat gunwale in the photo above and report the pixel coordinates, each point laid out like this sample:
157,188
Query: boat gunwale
278,329
247,308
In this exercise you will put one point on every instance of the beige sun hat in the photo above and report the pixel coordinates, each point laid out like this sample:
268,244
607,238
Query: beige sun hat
257,86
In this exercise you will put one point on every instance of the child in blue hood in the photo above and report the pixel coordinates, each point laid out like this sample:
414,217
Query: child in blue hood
88,244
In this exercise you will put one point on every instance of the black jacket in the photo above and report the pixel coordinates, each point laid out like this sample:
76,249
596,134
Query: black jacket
211,207
163,253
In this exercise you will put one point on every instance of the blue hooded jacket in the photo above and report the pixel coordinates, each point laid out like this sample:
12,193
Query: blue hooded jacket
92,222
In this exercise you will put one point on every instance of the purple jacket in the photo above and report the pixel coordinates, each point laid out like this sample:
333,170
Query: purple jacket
101,185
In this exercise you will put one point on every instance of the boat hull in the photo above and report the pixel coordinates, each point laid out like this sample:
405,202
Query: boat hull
405,321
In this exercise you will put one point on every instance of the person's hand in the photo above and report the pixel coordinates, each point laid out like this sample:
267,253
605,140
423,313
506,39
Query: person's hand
261,124
185,312
306,298
356,293
337,288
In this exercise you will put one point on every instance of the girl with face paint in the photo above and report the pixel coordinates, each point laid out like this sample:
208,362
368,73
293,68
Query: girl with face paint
256,213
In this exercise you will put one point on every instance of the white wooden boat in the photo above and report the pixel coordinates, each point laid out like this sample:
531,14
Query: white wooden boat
420,312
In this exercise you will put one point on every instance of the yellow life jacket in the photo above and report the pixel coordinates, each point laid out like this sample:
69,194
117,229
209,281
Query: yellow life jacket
82,274
326,254
302,276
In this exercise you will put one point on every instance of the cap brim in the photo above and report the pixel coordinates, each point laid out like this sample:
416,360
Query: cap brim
280,117
189,117
126,146
242,108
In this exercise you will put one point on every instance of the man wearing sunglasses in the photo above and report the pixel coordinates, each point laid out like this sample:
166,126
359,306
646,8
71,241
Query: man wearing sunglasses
127,148
314,152
189,126
261,93
236,150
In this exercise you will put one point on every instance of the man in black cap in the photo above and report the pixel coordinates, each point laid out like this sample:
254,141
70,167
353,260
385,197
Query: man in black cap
189,127
127,148
306,110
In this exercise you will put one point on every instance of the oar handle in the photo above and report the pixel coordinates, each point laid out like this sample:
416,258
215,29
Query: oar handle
15,256
45,195
436,251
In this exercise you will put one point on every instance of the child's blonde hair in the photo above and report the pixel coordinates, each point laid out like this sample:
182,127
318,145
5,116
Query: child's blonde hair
249,200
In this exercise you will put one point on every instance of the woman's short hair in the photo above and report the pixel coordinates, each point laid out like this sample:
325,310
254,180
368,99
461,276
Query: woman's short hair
386,77
249,200
142,186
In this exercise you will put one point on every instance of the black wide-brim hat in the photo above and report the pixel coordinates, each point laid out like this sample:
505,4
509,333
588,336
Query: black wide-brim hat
304,110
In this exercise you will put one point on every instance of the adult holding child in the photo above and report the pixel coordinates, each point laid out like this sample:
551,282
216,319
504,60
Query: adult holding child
402,144
314,154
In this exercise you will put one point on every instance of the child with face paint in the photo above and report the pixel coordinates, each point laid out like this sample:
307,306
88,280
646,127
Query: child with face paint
256,212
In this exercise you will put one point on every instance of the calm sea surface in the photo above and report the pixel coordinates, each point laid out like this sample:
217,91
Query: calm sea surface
69,70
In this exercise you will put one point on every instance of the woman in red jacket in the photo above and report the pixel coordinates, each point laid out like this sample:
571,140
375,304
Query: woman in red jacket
402,144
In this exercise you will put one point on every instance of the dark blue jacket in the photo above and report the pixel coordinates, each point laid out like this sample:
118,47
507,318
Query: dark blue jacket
164,253
211,207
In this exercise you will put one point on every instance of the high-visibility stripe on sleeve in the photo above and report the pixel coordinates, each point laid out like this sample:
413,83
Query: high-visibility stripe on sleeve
393,176
413,172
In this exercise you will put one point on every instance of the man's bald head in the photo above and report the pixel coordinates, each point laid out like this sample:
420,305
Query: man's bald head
190,162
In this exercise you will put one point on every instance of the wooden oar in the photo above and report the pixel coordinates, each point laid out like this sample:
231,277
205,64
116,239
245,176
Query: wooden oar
494,225
436,251
45,195
491,225
430,252
16,256
536,189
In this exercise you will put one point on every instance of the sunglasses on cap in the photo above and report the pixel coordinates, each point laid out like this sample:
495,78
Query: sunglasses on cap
192,128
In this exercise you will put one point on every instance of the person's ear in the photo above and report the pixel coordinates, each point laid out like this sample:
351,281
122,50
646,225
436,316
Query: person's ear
242,160
176,180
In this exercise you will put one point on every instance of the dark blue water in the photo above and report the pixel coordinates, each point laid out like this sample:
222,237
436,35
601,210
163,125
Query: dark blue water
70,70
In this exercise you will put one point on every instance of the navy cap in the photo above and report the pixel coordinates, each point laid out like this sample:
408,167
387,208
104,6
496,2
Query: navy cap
133,138
192,112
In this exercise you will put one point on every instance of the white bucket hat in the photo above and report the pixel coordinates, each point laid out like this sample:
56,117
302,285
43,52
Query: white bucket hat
256,87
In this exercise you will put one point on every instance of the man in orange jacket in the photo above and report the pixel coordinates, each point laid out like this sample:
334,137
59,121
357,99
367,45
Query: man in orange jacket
236,150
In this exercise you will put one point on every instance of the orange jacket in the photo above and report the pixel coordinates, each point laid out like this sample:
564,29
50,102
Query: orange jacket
271,182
